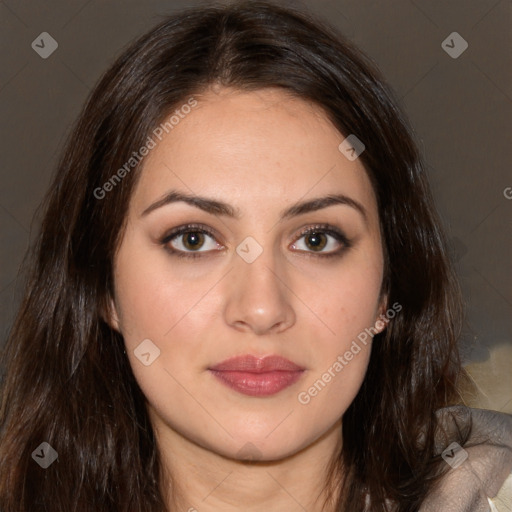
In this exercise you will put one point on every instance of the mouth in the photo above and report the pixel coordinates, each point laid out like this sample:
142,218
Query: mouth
255,376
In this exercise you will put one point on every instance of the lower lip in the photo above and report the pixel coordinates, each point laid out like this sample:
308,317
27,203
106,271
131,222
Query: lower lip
258,384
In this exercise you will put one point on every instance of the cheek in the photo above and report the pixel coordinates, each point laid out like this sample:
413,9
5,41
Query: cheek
349,306
331,389
152,302
173,318
350,301
175,313
341,359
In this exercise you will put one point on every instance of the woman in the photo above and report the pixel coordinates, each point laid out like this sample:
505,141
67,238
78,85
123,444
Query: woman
240,298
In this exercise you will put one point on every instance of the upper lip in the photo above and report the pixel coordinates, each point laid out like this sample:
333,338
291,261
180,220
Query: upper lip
254,364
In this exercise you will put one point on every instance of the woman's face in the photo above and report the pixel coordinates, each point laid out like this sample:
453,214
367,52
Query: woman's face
254,284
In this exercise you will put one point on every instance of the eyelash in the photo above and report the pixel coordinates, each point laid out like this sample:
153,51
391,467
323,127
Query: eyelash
198,228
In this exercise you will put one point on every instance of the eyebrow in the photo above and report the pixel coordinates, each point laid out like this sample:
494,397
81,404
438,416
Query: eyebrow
216,207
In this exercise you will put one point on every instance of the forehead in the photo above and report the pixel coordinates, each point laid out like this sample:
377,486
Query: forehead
260,149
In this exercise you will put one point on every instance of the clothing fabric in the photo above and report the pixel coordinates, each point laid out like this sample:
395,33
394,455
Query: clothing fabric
479,479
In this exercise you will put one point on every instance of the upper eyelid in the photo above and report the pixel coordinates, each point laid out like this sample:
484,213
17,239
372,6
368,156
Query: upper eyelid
185,228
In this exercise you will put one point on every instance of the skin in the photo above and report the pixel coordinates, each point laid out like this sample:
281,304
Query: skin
260,152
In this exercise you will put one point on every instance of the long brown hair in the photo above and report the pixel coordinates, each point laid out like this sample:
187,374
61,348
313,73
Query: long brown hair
68,381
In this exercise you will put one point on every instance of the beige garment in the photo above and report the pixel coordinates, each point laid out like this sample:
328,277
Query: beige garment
503,501
480,476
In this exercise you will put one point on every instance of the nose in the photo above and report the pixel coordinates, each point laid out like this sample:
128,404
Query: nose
258,297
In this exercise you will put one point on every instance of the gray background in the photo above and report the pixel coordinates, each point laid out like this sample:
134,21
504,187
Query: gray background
461,110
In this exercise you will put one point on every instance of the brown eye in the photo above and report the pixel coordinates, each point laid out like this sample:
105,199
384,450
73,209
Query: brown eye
316,241
193,240
190,241
322,240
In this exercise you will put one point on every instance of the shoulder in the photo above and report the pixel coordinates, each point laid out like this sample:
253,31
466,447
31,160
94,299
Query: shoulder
479,476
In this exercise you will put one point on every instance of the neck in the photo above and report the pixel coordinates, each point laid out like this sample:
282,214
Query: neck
205,481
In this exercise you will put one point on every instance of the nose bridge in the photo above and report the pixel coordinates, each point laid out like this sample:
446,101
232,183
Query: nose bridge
258,298
257,271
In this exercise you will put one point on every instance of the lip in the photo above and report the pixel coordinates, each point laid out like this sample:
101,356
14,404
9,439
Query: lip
255,376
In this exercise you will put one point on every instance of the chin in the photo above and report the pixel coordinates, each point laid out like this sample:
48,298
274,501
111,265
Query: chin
254,449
